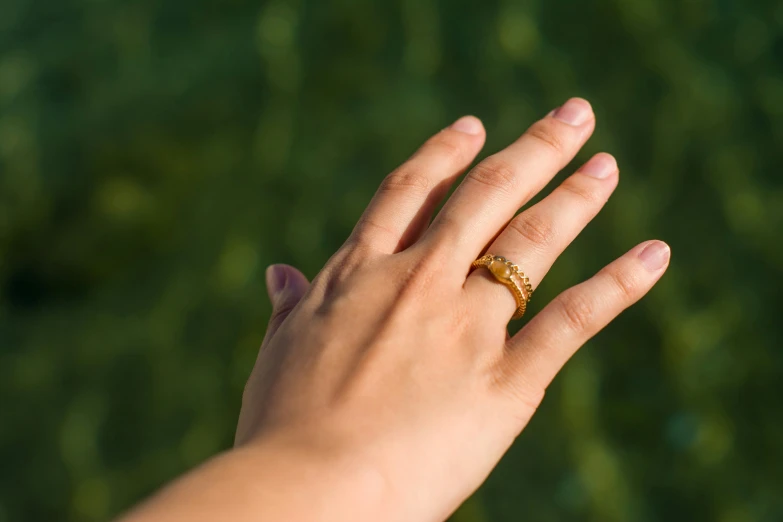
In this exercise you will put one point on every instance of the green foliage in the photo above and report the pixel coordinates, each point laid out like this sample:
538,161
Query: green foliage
155,156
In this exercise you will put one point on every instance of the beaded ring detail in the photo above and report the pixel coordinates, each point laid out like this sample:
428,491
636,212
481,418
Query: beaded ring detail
508,274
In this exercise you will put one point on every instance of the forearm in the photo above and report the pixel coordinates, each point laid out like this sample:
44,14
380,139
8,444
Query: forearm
270,481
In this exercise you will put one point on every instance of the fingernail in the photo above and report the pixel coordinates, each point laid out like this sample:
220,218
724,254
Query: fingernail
275,279
575,111
655,256
468,125
600,166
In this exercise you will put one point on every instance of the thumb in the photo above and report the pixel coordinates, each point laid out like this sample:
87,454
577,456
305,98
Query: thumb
286,286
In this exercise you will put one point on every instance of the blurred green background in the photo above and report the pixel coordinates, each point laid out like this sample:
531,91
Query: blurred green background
156,156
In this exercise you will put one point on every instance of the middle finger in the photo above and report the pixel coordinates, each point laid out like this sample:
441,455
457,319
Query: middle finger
497,187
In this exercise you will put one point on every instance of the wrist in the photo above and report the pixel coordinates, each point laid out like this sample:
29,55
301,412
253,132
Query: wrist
274,479
317,481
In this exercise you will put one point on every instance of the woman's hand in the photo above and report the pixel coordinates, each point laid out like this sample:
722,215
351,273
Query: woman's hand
389,388
393,372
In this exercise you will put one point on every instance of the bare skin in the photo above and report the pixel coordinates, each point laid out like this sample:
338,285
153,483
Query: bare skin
388,389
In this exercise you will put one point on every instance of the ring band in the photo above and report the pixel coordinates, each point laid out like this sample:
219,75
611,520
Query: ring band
511,276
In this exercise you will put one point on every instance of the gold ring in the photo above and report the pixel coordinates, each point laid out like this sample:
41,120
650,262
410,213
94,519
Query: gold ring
511,276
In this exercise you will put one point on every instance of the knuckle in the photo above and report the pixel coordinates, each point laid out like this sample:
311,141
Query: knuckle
627,285
547,135
577,310
450,145
586,194
352,257
414,285
416,272
283,310
533,229
421,273
495,173
406,179
366,230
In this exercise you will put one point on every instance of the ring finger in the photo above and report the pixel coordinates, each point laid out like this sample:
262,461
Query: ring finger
535,238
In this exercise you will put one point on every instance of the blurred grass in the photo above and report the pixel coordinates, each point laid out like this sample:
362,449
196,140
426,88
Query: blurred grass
156,156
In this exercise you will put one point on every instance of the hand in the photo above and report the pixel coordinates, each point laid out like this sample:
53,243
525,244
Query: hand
395,367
